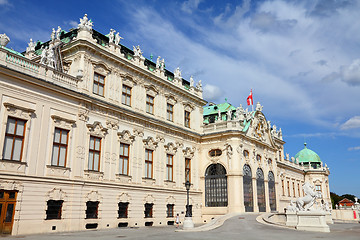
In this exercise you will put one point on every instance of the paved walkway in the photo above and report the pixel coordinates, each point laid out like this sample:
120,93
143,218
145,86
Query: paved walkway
239,227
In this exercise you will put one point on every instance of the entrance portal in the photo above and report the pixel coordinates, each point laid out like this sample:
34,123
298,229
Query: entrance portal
7,210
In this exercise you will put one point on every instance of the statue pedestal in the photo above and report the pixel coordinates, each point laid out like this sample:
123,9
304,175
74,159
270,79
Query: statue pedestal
188,223
291,219
312,221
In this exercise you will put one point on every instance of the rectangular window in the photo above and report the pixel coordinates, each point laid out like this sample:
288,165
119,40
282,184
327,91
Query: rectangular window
92,209
99,83
126,95
14,139
294,193
187,170
60,145
187,119
149,104
54,209
148,210
169,167
298,189
94,153
283,187
170,210
288,188
170,112
149,163
124,159
318,189
123,209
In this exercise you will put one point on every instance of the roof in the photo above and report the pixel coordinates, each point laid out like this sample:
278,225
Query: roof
345,200
307,156
12,51
214,109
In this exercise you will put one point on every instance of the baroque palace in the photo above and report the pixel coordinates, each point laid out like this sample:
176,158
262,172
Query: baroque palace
94,135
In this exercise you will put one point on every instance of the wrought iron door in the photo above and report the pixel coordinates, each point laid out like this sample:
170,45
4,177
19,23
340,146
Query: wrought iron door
248,189
260,190
272,193
216,186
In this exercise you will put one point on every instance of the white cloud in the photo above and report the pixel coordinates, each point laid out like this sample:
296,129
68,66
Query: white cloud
72,24
212,93
354,148
4,2
353,122
190,5
351,74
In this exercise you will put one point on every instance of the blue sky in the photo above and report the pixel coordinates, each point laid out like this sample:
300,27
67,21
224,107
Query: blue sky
300,57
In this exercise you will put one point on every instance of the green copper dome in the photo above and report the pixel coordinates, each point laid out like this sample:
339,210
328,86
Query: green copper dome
307,156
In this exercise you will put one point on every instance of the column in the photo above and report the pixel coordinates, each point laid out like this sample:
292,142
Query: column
255,198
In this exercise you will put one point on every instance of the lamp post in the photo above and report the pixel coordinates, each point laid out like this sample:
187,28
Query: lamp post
188,223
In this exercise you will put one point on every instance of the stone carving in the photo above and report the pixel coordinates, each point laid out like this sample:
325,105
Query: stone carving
158,62
189,152
58,33
191,81
18,111
117,38
85,23
162,66
4,40
219,115
56,194
229,150
53,34
62,122
199,86
97,129
150,143
229,114
306,202
111,35
170,148
239,113
177,73
31,46
149,199
94,196
258,107
48,57
112,124
125,136
137,51
124,197
83,114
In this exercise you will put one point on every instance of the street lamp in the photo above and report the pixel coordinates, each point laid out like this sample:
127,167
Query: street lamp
188,223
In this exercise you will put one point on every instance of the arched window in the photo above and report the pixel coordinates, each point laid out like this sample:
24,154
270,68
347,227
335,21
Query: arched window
258,158
216,186
260,190
246,153
248,189
272,193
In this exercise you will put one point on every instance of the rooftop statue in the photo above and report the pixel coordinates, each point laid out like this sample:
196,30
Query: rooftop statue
162,65
177,73
191,81
137,51
199,86
53,34
31,46
58,33
259,107
85,23
111,35
117,38
158,62
4,40
43,55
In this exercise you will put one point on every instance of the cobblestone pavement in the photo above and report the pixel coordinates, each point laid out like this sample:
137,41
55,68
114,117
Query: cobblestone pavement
239,227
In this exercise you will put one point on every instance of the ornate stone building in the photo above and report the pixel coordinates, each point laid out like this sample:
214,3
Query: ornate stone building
94,135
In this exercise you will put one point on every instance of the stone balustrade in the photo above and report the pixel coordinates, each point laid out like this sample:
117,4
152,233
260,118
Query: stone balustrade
21,64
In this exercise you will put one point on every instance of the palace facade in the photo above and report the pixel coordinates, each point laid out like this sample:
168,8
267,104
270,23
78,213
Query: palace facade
94,135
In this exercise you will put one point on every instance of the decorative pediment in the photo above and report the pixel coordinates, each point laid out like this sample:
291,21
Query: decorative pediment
189,152
170,148
62,122
112,124
18,111
160,138
170,99
97,129
10,185
150,143
149,199
151,90
188,106
170,200
56,194
126,137
124,197
94,196
101,68
128,80
138,133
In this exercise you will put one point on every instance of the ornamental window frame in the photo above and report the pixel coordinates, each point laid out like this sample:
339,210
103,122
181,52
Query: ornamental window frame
96,130
99,83
126,93
23,113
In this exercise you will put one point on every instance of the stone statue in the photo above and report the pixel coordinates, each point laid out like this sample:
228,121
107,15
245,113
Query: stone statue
273,131
291,207
239,114
287,156
177,73
111,35
51,58
43,55
53,34
31,46
117,38
219,115
137,51
229,113
162,65
4,40
85,24
191,81
158,62
280,133
258,107
58,33
199,86
306,202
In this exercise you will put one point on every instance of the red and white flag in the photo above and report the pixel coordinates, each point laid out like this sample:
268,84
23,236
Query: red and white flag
249,99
